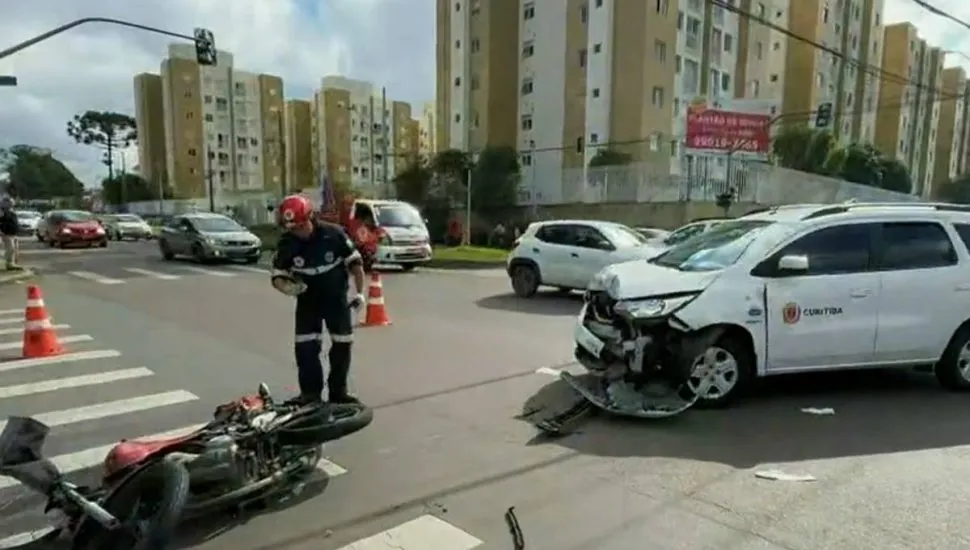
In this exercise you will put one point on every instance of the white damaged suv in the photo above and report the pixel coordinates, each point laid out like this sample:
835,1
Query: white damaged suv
801,288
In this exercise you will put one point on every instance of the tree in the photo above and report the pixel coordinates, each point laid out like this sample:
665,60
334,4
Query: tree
125,188
806,149
862,164
495,178
413,184
34,173
609,157
895,176
106,130
450,168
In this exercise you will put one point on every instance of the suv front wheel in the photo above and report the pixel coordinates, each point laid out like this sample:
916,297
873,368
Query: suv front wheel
953,369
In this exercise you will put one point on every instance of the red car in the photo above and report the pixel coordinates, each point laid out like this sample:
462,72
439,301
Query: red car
64,228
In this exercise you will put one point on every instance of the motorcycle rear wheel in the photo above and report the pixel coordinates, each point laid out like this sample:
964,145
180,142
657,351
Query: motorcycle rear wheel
325,423
162,489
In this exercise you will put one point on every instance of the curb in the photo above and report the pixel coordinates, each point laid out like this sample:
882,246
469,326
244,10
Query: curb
13,277
463,264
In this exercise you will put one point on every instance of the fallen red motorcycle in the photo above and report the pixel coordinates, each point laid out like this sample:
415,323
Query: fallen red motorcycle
253,450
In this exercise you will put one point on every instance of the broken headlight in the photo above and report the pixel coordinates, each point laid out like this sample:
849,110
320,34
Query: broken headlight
650,308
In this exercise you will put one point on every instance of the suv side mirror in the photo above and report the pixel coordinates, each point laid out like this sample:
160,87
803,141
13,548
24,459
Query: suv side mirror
797,263
604,244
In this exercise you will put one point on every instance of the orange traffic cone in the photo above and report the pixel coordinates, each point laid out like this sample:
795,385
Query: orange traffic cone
376,312
39,337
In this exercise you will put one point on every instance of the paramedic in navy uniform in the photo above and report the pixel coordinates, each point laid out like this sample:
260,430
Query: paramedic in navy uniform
313,262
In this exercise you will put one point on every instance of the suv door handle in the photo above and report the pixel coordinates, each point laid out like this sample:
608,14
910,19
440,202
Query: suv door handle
574,255
860,293
963,288
536,250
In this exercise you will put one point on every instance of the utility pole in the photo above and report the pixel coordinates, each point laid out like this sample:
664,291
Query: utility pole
209,176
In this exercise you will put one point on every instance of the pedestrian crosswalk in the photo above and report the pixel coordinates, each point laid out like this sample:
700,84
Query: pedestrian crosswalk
90,397
159,271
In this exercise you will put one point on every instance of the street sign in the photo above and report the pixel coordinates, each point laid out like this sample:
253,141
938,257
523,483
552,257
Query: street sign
205,46
823,115
8,80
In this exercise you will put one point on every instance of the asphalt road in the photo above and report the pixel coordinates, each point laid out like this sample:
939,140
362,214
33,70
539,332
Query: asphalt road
447,456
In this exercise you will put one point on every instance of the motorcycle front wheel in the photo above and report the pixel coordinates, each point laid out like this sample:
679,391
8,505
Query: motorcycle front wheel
149,506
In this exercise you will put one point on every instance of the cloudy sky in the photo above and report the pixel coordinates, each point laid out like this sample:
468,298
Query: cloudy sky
390,42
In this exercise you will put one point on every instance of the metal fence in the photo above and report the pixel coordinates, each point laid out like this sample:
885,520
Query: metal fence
751,181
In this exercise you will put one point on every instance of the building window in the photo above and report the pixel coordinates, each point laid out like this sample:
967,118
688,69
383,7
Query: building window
596,92
457,117
597,47
582,57
660,50
528,49
457,81
527,86
594,138
476,44
457,6
193,152
599,3
526,122
457,44
190,115
657,96
579,144
529,11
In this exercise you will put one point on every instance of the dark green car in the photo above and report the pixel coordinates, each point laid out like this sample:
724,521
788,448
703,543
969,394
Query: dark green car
208,237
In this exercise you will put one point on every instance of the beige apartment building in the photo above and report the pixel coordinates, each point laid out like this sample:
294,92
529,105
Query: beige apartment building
951,132
909,108
562,79
358,135
223,128
150,120
298,145
426,130
817,78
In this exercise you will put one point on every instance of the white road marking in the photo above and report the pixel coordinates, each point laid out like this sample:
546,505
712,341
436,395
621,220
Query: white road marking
329,468
204,271
150,273
13,320
15,311
422,533
112,408
20,330
22,539
73,339
54,359
89,458
548,371
91,276
73,382
249,269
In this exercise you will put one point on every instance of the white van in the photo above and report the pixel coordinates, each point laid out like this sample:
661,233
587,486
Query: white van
406,241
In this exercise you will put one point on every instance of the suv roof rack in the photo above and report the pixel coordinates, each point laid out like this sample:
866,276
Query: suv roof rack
853,204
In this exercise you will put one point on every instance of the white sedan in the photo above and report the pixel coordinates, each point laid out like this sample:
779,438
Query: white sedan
565,254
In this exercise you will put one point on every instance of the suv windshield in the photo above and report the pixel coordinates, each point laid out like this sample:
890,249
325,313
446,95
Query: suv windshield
714,249
216,224
76,216
27,214
398,216
127,218
622,236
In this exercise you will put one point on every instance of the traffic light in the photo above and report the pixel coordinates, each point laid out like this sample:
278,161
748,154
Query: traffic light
205,46
823,115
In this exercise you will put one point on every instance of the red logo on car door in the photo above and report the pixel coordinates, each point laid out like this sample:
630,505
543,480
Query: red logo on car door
791,313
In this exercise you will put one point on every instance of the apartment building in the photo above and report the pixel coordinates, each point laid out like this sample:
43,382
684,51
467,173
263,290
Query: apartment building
951,132
909,110
150,121
817,78
426,130
357,133
223,129
298,146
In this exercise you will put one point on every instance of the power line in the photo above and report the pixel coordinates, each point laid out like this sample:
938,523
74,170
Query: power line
937,11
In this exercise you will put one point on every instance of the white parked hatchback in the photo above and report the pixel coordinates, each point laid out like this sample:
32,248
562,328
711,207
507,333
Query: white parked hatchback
567,253
800,288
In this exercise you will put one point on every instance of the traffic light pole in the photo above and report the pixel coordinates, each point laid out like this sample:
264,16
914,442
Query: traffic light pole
68,26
